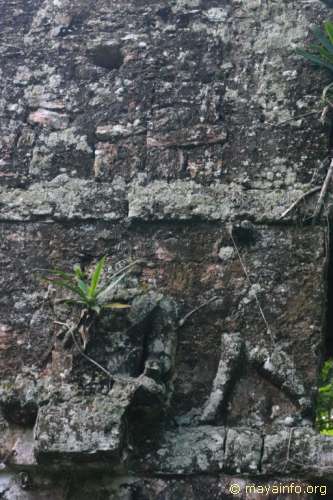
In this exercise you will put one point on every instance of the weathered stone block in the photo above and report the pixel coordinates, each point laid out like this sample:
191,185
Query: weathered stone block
81,430
295,450
65,198
186,200
47,118
92,428
191,450
243,451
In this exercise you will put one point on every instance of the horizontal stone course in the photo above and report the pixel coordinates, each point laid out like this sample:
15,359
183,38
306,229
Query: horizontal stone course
64,198
76,433
71,198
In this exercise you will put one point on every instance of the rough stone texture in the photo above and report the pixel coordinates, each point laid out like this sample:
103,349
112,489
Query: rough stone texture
65,199
243,451
194,450
170,131
231,350
91,428
186,200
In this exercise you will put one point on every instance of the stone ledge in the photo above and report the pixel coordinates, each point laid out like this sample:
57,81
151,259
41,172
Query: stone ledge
208,449
192,450
93,434
185,200
68,198
64,198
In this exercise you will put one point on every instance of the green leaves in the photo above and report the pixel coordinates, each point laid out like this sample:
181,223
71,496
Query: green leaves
316,59
324,406
88,294
96,276
321,53
329,30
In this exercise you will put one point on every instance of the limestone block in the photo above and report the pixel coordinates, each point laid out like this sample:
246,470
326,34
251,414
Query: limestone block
243,451
191,450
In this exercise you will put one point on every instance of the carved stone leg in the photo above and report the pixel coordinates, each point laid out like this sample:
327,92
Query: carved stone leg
231,350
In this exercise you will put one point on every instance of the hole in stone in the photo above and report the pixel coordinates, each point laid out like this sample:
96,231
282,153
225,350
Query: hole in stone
244,233
183,20
20,414
107,56
164,13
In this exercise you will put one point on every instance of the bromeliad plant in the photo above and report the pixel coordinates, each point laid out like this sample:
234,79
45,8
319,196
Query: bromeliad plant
321,53
88,294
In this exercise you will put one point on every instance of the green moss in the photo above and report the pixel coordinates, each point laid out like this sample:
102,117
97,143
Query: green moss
327,432
324,407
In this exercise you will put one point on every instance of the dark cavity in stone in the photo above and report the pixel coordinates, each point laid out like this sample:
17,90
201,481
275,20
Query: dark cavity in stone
20,414
245,233
107,56
164,13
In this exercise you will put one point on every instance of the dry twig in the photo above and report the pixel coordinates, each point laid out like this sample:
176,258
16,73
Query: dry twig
295,118
297,202
268,329
88,358
323,192
70,331
187,316
288,449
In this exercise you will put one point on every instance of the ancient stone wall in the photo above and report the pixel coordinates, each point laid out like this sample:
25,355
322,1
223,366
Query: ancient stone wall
176,133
